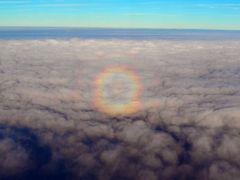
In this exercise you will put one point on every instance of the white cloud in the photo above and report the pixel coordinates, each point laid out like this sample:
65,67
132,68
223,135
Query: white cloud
220,5
187,128
14,2
60,5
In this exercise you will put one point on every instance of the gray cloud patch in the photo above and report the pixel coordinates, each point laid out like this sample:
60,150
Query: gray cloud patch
188,126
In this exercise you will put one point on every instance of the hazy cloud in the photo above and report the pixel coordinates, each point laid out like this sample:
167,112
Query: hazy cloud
187,128
220,5
14,2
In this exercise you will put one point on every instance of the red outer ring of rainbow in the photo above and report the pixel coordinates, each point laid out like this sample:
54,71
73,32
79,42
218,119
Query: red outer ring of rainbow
133,106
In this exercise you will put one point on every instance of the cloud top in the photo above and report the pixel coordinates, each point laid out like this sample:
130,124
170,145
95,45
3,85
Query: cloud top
187,127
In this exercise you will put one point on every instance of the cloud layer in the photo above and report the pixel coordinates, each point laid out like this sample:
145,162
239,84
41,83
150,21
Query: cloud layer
188,126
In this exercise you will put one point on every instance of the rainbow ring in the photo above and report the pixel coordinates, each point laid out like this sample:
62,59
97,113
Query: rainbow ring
116,90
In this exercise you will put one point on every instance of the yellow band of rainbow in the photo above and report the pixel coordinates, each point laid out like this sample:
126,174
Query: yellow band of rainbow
107,77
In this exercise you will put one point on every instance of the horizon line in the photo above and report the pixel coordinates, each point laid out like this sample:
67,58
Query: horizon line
135,28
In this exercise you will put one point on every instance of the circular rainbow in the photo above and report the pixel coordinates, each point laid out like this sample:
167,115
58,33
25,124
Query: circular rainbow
117,90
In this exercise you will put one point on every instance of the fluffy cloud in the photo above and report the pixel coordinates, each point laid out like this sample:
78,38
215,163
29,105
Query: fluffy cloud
187,127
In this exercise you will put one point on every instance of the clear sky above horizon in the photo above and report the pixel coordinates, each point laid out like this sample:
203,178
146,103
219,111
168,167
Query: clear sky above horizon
203,14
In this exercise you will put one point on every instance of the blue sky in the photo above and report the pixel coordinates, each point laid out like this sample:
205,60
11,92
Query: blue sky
204,14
